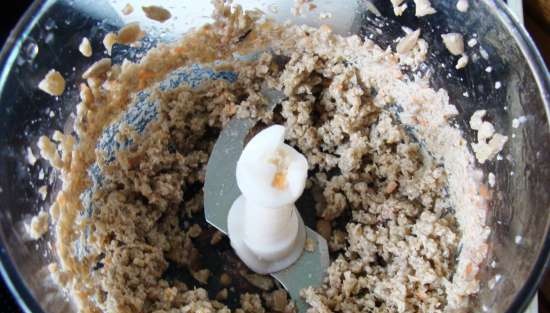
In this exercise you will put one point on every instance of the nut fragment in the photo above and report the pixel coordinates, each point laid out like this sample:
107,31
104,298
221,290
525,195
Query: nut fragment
157,13
222,295
109,41
454,43
309,245
39,225
423,7
280,300
98,68
462,62
324,228
260,281
216,238
408,42
53,83
201,276
225,279
85,47
128,9
129,34
194,231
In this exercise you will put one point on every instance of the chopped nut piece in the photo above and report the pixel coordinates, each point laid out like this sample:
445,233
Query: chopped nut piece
201,276
109,41
309,246
487,151
222,295
398,7
260,281
31,159
280,300
454,43
194,231
477,119
38,225
98,68
391,186
225,279
408,42
85,47
216,238
423,7
129,34
157,13
43,191
324,228
128,9
462,62
53,83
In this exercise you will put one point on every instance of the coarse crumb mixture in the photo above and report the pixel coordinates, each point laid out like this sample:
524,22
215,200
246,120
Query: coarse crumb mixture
387,172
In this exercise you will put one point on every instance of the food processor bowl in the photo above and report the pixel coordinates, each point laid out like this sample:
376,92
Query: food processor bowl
506,76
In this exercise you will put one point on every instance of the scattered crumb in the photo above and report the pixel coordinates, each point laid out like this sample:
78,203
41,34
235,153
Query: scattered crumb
194,231
53,83
423,7
309,245
466,94
261,281
462,5
518,239
157,13
201,276
488,69
128,9
225,279
491,179
109,41
222,295
498,84
454,43
31,158
472,42
98,68
43,191
216,238
408,42
38,225
129,33
85,47
462,62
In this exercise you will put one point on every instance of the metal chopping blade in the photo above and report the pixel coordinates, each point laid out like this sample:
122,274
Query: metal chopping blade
221,190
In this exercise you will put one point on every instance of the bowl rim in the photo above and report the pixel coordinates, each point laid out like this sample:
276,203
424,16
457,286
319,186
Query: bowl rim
28,303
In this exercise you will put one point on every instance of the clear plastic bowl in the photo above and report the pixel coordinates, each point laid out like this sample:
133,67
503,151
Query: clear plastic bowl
48,36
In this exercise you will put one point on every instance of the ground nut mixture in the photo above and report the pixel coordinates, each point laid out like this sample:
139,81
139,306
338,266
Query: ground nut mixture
396,192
